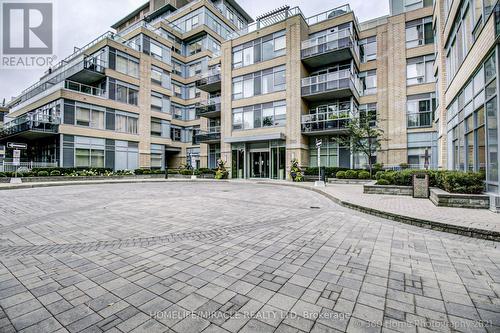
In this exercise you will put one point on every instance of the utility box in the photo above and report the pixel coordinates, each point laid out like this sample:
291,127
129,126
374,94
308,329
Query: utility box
421,185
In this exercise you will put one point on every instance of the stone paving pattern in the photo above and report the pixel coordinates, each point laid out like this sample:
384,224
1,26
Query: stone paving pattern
231,257
417,208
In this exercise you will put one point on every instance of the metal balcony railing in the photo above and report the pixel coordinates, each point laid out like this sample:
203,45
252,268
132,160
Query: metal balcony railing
328,43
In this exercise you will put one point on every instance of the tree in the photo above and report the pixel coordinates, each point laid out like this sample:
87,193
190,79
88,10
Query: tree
362,138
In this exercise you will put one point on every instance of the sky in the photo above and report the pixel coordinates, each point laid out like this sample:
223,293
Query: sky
77,22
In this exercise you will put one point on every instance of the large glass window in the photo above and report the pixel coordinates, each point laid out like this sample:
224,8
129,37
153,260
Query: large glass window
368,49
420,110
123,92
260,115
258,83
127,64
419,32
261,49
126,123
89,116
368,82
420,70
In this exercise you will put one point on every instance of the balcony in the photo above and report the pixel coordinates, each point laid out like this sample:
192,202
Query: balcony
84,89
210,81
329,86
329,122
209,109
31,126
88,71
332,48
213,135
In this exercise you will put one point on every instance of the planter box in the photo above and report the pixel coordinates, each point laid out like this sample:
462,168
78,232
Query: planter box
445,199
387,189
349,181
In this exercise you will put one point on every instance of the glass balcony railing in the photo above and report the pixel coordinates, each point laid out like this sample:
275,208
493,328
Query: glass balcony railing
36,122
329,121
209,81
212,135
329,82
209,108
324,44
329,14
84,89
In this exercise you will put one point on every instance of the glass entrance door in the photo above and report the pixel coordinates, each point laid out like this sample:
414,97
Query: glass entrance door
259,164
278,163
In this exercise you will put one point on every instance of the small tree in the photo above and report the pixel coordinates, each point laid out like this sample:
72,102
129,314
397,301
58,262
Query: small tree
362,138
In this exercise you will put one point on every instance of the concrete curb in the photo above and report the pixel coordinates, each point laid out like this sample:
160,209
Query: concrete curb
97,182
426,224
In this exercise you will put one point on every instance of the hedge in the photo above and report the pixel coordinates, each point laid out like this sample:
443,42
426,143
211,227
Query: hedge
450,181
329,171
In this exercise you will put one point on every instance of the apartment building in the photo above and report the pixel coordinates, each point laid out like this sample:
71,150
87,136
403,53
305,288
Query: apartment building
190,82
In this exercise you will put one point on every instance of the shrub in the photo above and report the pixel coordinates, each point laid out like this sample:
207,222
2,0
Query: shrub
463,182
2,175
139,171
363,174
340,175
351,174
42,173
379,175
173,172
206,171
389,177
382,182
186,172
403,165
55,173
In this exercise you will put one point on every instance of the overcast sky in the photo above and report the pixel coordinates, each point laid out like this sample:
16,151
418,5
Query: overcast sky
78,22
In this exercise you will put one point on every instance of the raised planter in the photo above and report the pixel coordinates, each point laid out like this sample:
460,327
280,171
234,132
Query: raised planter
445,199
179,176
387,189
349,181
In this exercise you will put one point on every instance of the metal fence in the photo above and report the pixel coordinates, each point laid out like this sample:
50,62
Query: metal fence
8,166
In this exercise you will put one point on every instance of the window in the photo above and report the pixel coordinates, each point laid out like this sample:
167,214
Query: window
160,127
368,113
177,68
420,110
126,123
368,82
194,69
89,158
258,83
157,50
260,115
419,32
156,103
123,92
420,70
126,155
157,156
416,4
175,133
127,64
89,116
368,49
195,47
160,77
261,49
177,89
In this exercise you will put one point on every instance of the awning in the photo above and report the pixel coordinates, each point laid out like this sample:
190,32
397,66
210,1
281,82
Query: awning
253,138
